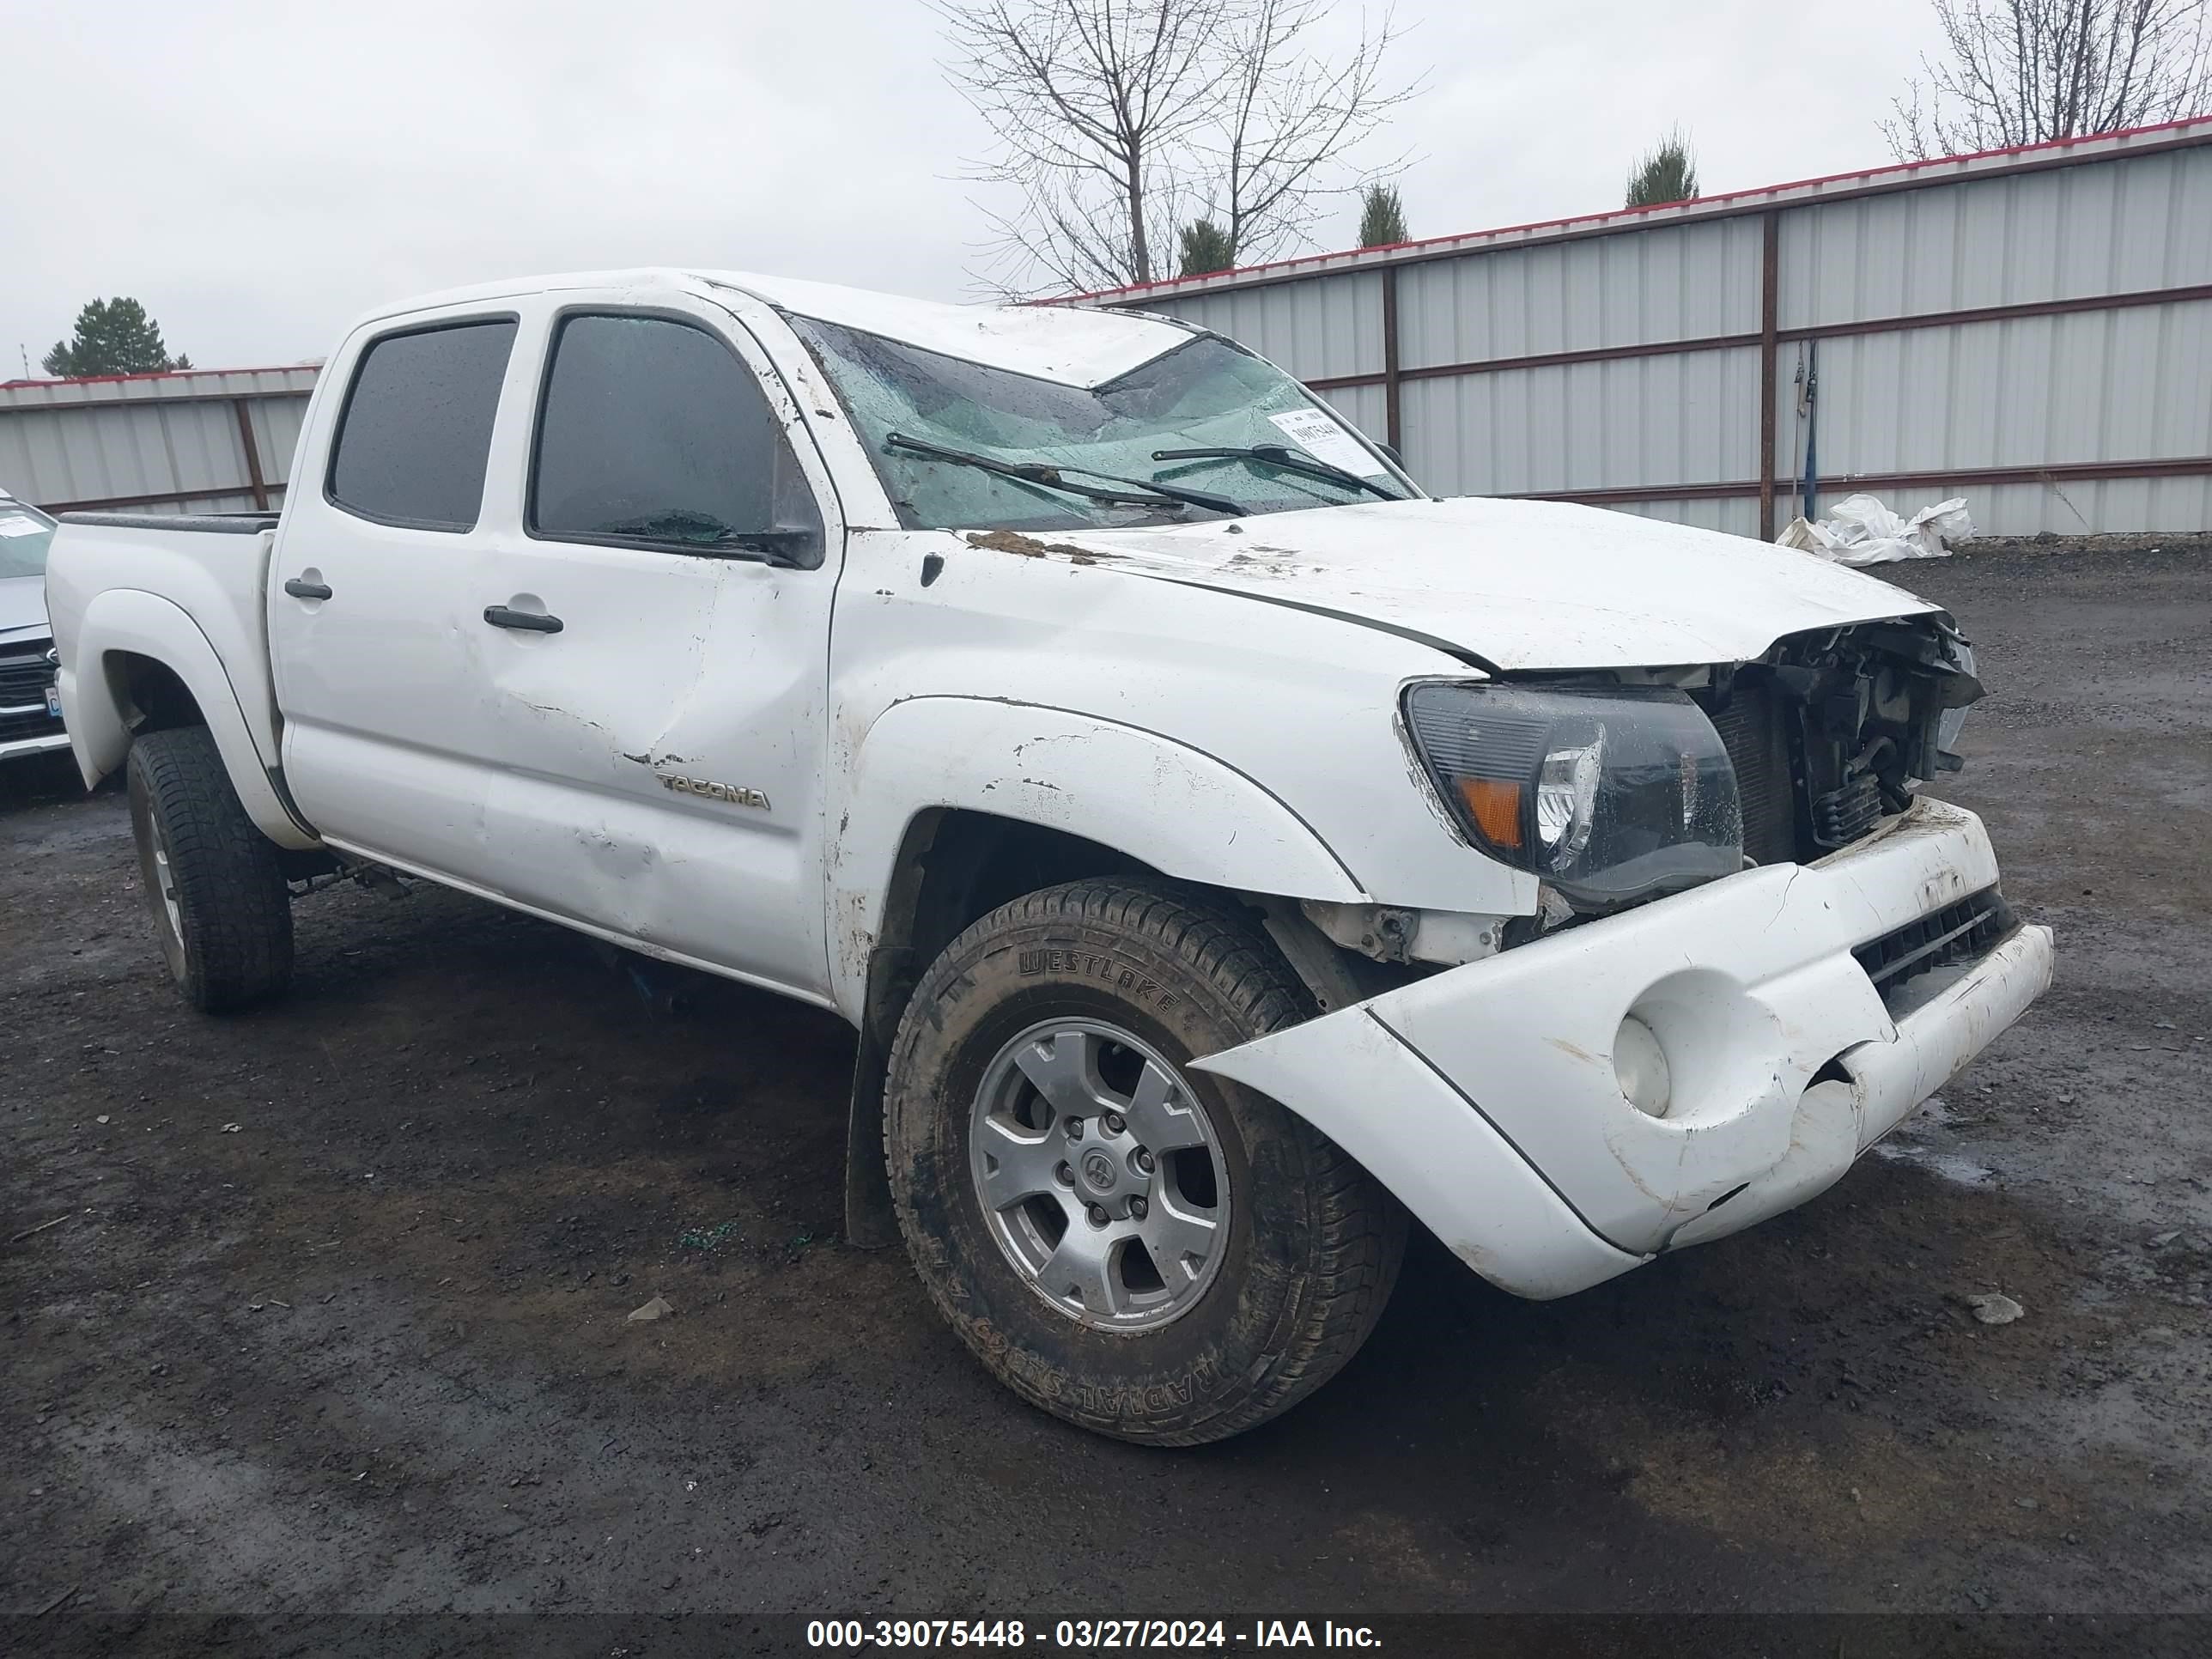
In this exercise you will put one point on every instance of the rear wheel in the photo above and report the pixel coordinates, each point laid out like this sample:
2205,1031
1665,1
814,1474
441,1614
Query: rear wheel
214,883
1131,1244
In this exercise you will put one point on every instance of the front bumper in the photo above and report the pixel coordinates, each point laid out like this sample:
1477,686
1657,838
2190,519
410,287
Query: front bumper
14,748
1485,1096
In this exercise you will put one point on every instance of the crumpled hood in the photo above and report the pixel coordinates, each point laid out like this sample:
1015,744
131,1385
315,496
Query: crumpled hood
1521,585
22,609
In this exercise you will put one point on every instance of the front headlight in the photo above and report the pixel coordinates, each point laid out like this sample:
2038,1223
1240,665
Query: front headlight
1609,794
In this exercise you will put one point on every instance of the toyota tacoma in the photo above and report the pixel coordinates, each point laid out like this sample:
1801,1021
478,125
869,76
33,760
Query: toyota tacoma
1227,852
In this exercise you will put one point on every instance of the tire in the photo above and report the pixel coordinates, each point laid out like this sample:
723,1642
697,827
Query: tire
213,881
1140,976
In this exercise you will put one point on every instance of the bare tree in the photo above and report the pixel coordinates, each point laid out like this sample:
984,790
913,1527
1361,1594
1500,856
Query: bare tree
1292,114
1119,121
2020,71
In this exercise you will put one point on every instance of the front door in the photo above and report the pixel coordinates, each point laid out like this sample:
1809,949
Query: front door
654,624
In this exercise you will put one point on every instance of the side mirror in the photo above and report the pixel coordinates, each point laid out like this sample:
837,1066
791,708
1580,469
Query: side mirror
1391,451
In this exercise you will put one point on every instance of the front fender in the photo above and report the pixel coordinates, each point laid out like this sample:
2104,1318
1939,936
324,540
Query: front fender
1176,808
122,621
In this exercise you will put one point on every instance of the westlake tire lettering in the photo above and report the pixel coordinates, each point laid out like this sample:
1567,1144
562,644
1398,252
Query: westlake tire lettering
1132,982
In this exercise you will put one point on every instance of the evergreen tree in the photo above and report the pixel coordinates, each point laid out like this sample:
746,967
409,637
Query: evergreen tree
1382,216
113,337
1205,247
1668,173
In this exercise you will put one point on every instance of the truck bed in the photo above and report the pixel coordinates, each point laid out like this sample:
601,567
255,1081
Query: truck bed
214,568
223,524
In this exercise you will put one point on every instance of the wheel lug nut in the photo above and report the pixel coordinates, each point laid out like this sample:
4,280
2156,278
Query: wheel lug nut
1075,1128
1137,1208
1064,1176
1115,1124
1144,1160
1098,1216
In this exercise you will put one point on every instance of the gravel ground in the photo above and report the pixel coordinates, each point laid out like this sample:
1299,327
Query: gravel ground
332,1319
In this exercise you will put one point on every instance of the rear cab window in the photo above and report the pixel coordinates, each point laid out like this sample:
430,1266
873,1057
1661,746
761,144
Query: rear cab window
414,437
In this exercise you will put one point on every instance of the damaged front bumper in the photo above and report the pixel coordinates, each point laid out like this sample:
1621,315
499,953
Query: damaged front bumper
1487,1098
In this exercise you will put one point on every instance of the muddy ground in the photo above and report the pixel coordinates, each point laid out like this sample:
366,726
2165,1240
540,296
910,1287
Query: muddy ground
336,1322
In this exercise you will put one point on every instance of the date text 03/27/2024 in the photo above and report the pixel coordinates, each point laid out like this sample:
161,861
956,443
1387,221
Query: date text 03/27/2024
1084,1634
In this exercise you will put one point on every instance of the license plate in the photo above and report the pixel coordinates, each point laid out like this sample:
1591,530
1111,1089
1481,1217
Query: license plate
54,700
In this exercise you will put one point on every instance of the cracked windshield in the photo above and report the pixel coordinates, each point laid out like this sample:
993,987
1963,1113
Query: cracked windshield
1203,430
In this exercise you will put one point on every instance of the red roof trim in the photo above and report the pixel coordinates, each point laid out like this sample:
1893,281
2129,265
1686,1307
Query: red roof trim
1898,168
161,375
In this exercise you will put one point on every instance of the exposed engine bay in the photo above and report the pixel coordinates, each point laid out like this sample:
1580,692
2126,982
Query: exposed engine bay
1831,732
1620,789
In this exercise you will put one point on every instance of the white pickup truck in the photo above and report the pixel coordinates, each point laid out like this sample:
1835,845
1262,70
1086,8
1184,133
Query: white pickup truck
1223,849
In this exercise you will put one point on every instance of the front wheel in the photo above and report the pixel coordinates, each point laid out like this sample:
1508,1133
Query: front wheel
1136,1247
214,883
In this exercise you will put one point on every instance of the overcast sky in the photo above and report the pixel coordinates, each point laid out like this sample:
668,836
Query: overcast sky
256,172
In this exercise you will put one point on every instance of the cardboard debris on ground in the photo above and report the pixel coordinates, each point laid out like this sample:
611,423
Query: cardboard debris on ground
658,1307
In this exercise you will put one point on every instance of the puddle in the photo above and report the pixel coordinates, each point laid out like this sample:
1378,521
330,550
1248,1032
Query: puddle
1954,1167
1927,1141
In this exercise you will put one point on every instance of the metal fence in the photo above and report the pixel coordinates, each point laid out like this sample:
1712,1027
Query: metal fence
197,440
2030,329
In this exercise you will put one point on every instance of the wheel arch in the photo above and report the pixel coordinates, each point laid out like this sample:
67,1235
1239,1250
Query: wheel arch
956,804
953,865
141,663
1157,805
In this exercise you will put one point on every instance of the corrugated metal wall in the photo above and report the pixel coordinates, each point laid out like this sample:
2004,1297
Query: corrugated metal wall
195,441
2031,330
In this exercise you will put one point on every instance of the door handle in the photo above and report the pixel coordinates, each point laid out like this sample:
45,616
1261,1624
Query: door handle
300,590
535,622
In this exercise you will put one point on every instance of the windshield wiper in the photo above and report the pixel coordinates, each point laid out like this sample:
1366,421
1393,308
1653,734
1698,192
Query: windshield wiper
1038,472
705,530
1289,461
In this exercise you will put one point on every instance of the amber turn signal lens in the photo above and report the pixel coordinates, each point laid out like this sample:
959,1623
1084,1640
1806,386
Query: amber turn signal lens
1495,806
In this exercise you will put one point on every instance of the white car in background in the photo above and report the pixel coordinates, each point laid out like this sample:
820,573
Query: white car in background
30,707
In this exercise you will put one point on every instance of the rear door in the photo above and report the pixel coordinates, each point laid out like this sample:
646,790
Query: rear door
377,641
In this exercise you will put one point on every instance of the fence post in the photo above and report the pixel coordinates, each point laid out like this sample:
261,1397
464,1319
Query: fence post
1770,271
1393,432
258,484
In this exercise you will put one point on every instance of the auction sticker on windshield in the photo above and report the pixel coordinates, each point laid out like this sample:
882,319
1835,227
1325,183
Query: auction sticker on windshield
1325,441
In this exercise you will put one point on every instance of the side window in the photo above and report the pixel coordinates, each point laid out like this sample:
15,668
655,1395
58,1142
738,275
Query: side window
416,430
652,433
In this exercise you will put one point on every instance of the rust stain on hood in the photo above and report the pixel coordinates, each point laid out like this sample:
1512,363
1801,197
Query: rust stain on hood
1013,541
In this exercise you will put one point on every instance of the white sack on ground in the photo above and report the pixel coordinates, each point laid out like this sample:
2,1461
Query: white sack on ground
1942,526
1860,530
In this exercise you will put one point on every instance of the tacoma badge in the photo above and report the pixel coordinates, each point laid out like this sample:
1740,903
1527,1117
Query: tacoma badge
729,792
